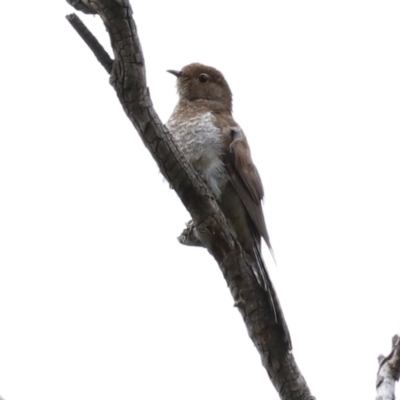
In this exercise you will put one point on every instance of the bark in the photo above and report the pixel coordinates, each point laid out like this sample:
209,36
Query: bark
212,231
389,372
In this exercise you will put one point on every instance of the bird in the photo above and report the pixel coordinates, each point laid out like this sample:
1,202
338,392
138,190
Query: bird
215,145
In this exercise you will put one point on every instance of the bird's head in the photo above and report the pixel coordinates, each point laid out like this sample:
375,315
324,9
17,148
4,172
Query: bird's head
197,81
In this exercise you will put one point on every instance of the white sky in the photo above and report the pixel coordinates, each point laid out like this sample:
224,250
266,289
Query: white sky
97,298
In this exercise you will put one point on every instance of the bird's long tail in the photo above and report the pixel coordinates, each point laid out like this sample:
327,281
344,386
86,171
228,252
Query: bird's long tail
265,282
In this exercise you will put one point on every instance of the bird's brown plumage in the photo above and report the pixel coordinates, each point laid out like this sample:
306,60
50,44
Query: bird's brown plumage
204,111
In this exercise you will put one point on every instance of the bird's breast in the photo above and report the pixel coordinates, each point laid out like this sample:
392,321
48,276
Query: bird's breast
200,140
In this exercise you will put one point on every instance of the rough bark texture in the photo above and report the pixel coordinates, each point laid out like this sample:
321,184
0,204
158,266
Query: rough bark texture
212,230
389,372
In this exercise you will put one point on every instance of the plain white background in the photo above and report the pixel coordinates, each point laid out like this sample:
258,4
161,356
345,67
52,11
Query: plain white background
97,298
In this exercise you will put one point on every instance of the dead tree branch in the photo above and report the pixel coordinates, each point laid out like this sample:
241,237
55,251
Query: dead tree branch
389,372
98,50
127,76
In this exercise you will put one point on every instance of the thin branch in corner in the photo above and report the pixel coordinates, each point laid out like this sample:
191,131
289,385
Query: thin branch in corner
102,56
389,372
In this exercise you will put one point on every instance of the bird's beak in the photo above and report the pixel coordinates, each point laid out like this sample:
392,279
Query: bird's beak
176,73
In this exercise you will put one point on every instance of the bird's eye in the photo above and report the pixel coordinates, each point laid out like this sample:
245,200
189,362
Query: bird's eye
203,78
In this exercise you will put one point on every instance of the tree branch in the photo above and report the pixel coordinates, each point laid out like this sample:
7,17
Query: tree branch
211,228
189,236
102,56
389,372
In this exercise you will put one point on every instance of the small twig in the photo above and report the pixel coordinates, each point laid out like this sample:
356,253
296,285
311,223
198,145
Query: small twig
102,56
189,236
389,372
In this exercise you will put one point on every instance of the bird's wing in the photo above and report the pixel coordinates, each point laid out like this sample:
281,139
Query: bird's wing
247,184
244,176
246,181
